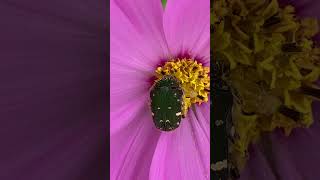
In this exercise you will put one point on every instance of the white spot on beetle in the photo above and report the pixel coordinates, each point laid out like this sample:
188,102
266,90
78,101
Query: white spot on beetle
161,120
167,121
178,113
169,107
178,123
158,108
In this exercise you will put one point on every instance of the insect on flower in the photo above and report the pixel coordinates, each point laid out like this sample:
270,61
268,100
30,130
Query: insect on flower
166,103
159,110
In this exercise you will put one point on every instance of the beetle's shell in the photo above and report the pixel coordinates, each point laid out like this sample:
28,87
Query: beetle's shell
166,103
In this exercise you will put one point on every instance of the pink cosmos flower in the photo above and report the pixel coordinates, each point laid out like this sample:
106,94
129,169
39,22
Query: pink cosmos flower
144,34
295,157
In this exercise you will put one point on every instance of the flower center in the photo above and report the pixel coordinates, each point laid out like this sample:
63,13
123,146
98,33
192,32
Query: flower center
179,80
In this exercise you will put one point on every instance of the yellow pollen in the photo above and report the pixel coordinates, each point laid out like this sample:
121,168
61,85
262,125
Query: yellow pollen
194,78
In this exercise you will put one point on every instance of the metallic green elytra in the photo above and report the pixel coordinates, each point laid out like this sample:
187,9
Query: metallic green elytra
166,103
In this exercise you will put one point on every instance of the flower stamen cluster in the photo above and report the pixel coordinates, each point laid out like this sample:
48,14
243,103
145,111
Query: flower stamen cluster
194,78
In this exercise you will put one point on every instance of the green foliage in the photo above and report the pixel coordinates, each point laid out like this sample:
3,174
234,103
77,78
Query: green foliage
164,2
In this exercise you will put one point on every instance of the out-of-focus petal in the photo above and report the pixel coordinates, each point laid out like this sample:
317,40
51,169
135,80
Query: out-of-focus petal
257,167
187,27
132,148
299,154
185,152
294,157
53,100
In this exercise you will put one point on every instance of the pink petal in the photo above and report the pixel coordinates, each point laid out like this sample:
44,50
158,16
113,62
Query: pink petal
121,116
185,152
137,45
204,109
132,148
136,34
187,27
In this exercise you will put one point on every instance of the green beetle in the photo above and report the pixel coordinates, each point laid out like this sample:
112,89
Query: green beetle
166,103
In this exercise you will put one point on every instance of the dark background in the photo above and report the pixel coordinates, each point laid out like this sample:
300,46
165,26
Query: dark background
53,89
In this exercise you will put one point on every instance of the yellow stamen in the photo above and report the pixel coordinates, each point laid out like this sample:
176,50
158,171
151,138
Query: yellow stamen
194,78
271,56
